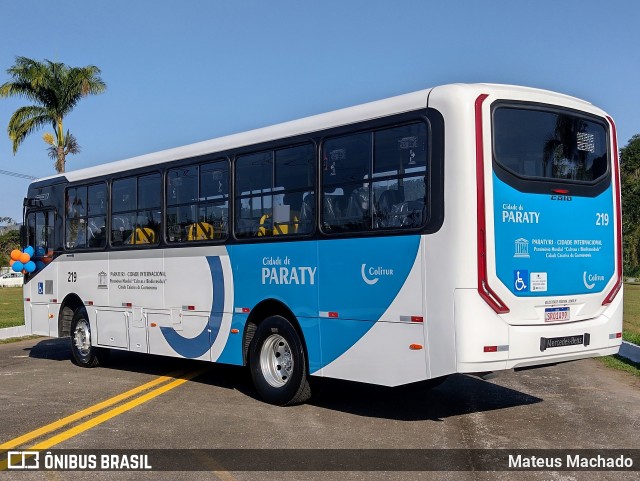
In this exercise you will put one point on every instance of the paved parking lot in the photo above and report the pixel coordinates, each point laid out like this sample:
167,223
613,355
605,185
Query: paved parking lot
576,405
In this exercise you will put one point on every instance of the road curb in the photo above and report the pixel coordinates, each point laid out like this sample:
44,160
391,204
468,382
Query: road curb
15,331
630,351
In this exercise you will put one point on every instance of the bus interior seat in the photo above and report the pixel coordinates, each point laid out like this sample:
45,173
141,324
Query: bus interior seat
410,213
279,228
142,235
357,211
331,211
388,199
307,208
200,231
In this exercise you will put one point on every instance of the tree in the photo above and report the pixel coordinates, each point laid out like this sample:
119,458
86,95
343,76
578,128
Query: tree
56,89
8,241
630,183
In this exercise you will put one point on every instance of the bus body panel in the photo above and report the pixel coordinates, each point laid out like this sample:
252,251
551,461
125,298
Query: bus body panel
395,344
169,303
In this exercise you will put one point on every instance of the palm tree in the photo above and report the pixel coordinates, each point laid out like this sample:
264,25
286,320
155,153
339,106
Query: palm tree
69,146
56,89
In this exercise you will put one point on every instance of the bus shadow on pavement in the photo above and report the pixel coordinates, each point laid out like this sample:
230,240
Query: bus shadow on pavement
459,395
52,349
59,349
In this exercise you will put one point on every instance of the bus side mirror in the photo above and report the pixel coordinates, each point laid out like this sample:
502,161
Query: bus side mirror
23,235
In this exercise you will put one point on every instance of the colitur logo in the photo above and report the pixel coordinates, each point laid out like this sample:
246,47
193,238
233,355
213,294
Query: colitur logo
591,279
372,275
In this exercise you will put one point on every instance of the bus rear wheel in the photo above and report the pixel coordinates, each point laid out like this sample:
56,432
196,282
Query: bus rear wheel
83,353
277,362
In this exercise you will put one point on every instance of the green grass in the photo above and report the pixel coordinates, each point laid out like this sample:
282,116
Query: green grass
11,307
631,316
621,364
16,339
631,337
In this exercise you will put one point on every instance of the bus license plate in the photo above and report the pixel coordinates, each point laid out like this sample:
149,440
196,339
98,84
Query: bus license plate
553,314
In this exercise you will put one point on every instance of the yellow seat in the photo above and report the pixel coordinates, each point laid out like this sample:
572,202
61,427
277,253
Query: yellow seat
200,231
142,235
262,230
281,228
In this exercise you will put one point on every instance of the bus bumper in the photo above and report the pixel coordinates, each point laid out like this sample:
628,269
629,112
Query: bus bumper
485,342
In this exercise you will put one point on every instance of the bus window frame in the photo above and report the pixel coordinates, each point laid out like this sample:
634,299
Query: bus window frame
165,183
545,185
91,182
45,210
372,127
136,174
273,147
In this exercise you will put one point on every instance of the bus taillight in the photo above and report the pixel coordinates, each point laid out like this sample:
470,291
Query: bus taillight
484,290
616,175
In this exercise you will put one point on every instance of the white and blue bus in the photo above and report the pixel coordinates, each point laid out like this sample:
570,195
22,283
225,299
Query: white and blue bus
458,229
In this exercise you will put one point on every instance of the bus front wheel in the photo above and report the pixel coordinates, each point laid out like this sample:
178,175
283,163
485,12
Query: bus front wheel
278,363
83,353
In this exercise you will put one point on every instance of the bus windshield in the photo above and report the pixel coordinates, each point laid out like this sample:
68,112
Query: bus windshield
549,144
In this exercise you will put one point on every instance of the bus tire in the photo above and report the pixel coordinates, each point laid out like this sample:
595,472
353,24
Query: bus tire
83,353
277,362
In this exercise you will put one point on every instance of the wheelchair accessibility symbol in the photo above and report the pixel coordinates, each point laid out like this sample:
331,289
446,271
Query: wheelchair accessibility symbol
519,278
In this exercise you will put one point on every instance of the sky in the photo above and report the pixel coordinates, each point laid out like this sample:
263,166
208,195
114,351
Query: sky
179,72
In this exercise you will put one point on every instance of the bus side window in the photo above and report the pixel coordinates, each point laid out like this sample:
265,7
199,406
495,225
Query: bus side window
40,229
294,179
96,215
254,180
198,202
76,218
399,170
213,208
270,190
386,191
345,165
136,210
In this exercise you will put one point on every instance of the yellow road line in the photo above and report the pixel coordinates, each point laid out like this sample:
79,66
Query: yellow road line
14,443
217,470
82,427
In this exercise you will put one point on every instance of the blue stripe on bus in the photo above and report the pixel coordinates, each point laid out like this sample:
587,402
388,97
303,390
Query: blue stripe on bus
356,278
198,346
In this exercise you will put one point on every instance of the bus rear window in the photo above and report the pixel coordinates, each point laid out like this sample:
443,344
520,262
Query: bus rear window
549,144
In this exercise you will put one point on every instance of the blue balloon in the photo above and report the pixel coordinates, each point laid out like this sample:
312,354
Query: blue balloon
17,266
39,251
29,250
30,266
40,265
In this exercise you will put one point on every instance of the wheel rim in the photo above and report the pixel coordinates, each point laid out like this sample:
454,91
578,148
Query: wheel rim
276,361
82,337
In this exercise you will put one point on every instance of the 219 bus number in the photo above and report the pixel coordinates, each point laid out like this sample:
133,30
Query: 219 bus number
602,218
72,277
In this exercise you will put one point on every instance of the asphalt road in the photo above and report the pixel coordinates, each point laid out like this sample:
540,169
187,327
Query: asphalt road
574,405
